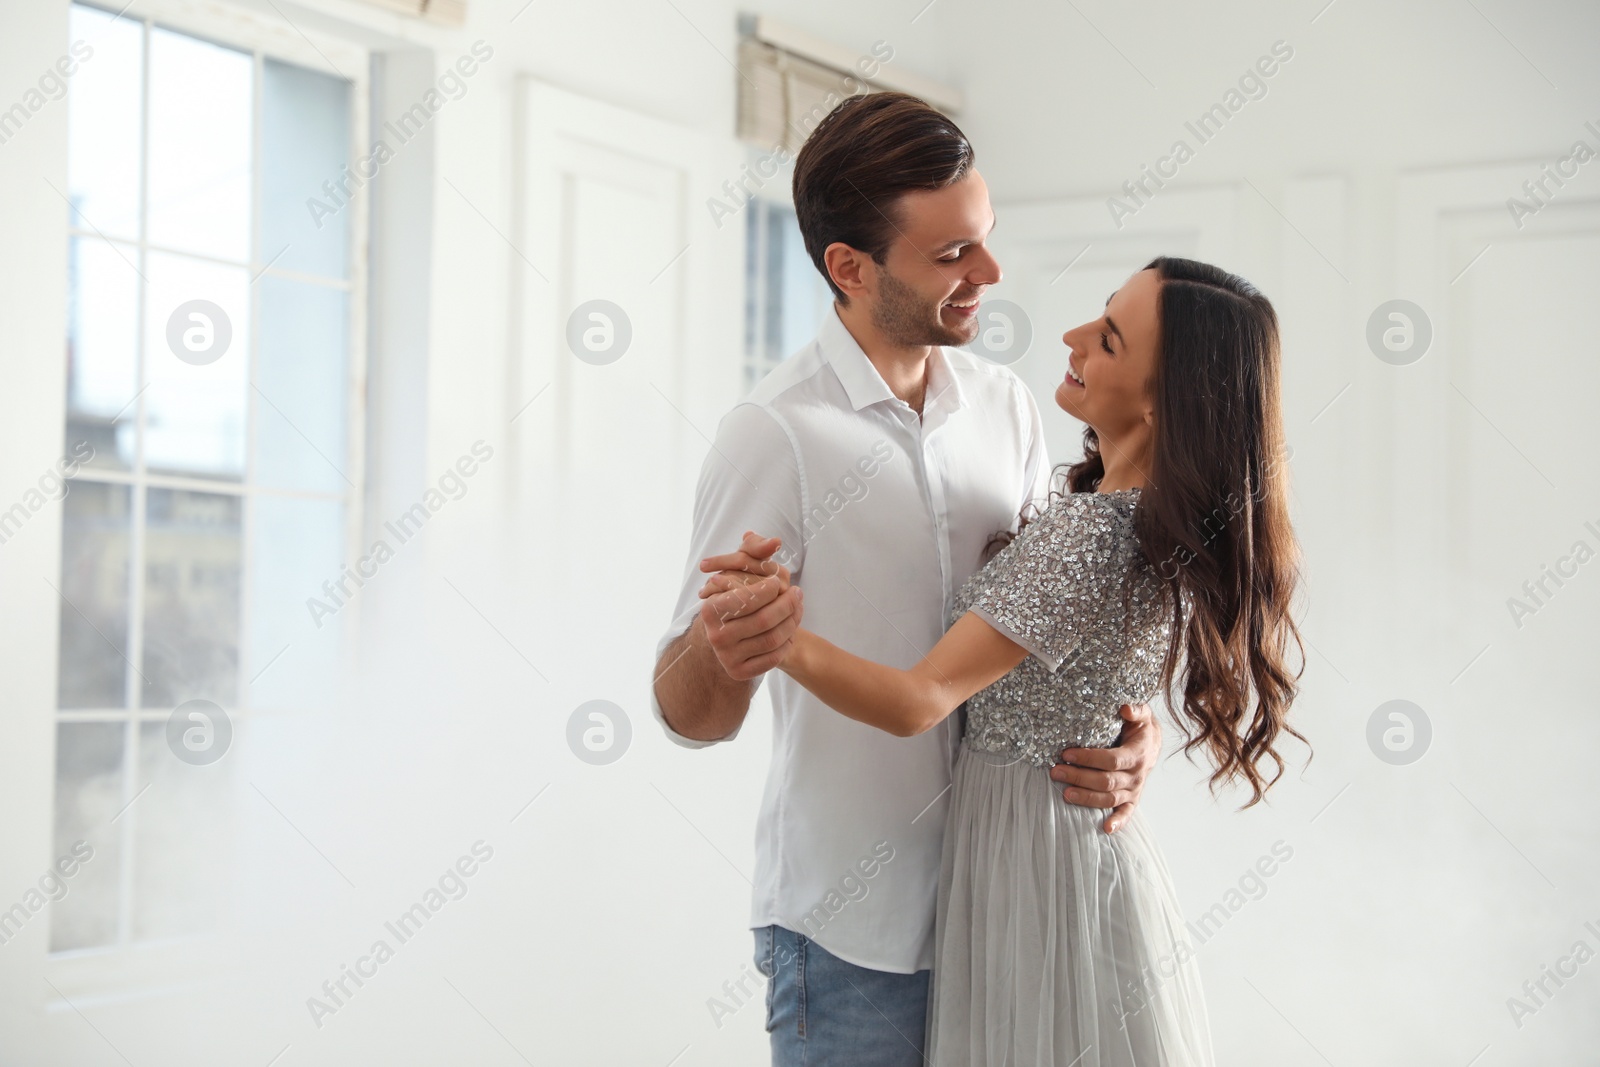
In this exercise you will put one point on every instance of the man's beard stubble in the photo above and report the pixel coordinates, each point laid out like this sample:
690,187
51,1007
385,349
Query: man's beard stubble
905,318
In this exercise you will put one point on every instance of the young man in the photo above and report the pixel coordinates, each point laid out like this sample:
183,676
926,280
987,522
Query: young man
883,460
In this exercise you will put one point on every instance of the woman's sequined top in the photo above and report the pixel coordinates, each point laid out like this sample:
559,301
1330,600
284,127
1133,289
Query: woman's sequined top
1073,589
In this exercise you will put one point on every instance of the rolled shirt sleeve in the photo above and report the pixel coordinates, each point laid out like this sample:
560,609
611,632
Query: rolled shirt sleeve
751,480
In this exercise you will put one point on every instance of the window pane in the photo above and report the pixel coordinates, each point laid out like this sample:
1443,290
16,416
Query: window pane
305,144
95,525
200,118
301,375
802,295
298,546
103,122
181,838
196,411
102,331
191,598
754,241
772,283
785,297
88,796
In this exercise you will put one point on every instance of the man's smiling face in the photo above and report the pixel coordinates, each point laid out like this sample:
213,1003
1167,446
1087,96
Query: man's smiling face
927,290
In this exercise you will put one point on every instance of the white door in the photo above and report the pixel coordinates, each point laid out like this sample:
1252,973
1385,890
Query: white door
629,319
629,349
630,309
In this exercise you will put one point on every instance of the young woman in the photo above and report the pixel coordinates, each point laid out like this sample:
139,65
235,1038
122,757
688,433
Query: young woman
1169,563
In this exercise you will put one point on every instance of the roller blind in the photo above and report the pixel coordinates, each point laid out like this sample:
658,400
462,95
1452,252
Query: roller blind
783,96
444,12
790,80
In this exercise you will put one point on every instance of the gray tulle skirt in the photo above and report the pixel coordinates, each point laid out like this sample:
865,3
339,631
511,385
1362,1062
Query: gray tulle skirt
1058,945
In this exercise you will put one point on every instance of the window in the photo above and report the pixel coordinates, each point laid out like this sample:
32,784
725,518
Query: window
213,413
785,297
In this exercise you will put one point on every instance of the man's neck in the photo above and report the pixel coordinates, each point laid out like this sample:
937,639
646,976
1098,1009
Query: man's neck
904,369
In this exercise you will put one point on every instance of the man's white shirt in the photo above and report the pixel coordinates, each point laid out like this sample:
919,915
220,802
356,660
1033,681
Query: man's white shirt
883,516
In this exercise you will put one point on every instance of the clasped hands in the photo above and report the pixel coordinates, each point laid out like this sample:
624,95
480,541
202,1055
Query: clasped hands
750,611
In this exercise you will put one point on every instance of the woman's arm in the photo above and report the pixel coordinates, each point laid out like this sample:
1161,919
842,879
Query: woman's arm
970,656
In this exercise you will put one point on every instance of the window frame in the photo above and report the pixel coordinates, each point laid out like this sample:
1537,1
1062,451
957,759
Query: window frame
127,962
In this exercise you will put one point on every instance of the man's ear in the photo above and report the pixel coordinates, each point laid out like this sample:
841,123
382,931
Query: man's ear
847,267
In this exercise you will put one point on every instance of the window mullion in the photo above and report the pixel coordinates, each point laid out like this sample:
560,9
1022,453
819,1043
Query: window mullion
137,539
252,356
356,335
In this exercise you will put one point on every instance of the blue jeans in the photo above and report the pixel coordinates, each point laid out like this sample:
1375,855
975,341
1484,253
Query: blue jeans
824,1012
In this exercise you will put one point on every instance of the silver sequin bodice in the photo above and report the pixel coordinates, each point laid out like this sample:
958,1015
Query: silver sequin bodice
1073,588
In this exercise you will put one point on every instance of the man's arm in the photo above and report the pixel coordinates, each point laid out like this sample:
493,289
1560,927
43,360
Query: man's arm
750,479
705,679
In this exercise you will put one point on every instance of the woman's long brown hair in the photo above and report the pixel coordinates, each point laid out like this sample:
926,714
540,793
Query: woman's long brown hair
1213,520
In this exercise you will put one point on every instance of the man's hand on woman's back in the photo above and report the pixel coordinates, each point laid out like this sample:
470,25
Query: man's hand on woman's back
1113,777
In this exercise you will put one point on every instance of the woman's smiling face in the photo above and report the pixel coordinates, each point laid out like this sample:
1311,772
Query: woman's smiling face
1111,361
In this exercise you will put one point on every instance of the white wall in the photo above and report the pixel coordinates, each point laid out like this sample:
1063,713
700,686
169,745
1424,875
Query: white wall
1419,897
32,306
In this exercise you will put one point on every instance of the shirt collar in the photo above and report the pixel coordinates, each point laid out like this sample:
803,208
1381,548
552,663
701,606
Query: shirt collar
864,385
944,386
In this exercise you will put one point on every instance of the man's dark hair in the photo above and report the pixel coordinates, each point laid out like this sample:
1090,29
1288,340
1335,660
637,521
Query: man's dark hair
862,157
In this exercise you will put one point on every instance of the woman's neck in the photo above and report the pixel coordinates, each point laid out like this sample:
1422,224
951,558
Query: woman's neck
1126,461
